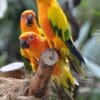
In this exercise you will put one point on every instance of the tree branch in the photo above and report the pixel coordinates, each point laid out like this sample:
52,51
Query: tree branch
39,82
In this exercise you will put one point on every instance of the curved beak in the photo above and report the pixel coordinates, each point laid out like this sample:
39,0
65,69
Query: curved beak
24,44
29,20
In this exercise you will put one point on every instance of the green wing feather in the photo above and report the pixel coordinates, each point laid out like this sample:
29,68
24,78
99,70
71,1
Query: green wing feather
61,28
59,22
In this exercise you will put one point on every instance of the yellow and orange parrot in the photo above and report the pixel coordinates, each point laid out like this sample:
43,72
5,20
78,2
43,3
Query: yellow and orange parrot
56,28
37,44
28,23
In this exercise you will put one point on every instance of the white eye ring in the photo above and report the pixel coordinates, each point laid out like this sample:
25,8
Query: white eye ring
22,16
31,37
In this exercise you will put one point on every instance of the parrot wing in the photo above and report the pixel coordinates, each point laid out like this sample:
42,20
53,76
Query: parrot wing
59,22
61,28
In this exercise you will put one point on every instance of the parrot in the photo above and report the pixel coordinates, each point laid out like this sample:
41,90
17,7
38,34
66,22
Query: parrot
61,75
28,23
56,28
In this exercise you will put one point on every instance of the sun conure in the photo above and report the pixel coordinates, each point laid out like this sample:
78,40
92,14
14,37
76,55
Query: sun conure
28,23
61,75
56,28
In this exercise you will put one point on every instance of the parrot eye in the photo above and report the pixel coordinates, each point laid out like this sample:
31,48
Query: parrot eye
22,16
31,37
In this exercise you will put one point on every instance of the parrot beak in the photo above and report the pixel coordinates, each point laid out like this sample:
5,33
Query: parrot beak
24,44
29,20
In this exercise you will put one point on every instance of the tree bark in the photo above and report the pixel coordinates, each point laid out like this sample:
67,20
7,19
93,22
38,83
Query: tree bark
39,82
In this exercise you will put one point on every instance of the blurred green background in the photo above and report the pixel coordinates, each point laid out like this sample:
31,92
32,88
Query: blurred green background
87,14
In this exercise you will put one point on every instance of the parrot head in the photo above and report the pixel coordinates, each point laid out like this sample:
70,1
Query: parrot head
28,20
28,39
33,42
